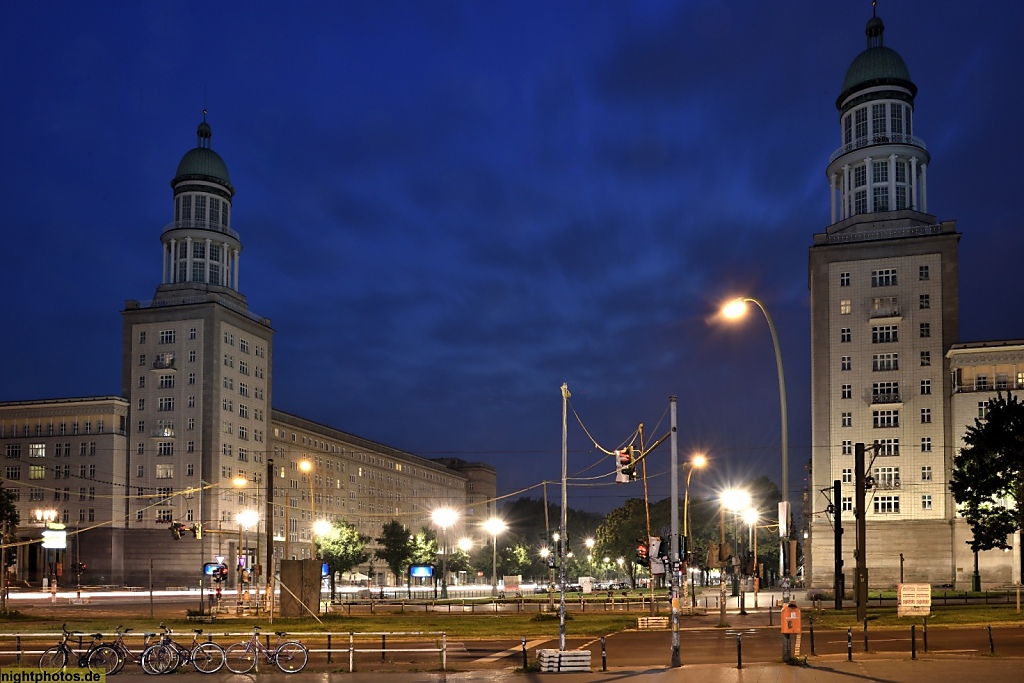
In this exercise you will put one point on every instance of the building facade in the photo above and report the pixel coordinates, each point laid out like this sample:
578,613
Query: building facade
884,315
884,311
179,470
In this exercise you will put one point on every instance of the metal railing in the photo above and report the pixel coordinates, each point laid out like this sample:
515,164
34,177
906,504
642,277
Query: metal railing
201,225
893,138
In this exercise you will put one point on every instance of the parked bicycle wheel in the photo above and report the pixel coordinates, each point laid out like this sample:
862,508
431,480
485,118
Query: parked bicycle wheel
292,657
160,659
104,659
240,658
208,658
53,658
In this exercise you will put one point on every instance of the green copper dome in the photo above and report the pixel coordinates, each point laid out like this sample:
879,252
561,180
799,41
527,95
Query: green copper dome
202,163
877,65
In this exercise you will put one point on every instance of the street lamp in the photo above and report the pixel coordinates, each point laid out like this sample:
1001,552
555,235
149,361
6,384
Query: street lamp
307,467
465,545
736,309
246,519
750,516
733,500
494,526
444,518
698,461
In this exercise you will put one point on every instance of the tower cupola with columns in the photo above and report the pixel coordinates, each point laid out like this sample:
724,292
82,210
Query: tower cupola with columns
881,165
199,247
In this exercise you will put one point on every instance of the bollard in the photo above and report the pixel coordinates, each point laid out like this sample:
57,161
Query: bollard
849,644
913,641
924,633
604,655
991,643
812,636
865,635
525,662
770,615
328,648
739,650
383,646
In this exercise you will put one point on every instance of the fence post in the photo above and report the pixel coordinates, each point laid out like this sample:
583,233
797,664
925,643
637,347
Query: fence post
383,646
991,643
328,648
865,635
770,614
812,635
913,641
525,663
351,652
924,633
604,655
444,651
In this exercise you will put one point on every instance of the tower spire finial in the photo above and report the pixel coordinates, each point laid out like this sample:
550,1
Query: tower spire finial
874,8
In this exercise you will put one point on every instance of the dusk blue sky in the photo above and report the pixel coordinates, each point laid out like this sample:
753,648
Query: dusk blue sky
450,208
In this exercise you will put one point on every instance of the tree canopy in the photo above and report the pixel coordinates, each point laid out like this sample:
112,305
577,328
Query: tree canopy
396,547
988,474
343,547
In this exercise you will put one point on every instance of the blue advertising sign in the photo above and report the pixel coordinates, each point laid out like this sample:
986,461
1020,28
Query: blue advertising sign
421,571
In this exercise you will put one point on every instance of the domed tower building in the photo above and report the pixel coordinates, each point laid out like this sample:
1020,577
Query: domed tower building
196,369
884,312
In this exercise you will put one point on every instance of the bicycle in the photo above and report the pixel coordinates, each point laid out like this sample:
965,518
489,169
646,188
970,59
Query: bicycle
124,653
290,656
99,657
168,655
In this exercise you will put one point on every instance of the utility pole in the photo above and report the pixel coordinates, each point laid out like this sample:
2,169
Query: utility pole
564,531
673,560
860,510
837,516
268,514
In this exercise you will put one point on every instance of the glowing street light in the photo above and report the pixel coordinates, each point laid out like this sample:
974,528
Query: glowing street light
494,526
307,467
444,518
736,309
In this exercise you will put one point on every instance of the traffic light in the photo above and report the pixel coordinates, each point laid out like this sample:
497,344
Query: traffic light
197,531
664,547
222,572
81,567
177,529
642,552
625,466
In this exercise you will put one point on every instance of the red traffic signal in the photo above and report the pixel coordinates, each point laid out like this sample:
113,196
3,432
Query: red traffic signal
625,466
642,552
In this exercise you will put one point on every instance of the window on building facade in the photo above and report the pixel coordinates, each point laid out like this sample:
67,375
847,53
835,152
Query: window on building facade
926,387
847,447
926,330
923,273
847,475
887,505
844,279
926,473
884,334
845,307
167,336
847,391
847,419
847,504
845,335
886,447
926,415
885,277
926,502
926,358
881,419
845,363
881,362
924,301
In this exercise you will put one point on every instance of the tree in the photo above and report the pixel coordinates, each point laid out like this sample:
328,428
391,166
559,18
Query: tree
988,475
342,548
617,536
396,548
9,511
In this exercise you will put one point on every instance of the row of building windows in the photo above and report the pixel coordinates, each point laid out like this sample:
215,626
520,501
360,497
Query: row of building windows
51,429
885,306
885,123
882,447
886,505
885,277
884,334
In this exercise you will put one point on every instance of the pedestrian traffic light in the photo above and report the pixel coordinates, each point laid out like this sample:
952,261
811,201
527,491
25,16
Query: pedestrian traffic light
625,466
642,552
